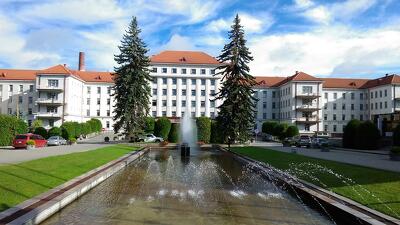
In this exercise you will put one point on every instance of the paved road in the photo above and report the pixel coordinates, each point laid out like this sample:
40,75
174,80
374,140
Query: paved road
378,161
10,155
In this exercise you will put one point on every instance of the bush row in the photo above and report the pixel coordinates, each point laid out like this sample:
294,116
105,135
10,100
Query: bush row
360,135
9,127
279,130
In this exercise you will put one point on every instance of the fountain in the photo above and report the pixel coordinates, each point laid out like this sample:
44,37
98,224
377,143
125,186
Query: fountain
188,134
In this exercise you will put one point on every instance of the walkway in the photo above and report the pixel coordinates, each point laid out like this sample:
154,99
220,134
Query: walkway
378,161
10,155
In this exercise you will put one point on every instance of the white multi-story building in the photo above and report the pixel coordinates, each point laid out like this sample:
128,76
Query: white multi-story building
182,81
185,82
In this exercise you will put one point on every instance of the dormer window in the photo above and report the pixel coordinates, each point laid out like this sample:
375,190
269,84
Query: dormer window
183,59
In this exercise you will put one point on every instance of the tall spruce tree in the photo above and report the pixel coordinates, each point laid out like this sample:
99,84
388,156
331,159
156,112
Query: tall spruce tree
236,114
132,90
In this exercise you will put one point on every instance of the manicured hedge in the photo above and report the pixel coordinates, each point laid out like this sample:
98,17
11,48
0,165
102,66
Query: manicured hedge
349,134
396,136
41,131
173,136
54,131
9,127
203,129
367,136
268,127
216,136
68,130
149,124
280,129
162,127
292,131
95,125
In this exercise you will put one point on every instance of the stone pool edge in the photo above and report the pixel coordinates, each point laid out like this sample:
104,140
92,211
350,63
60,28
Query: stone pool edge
41,207
333,202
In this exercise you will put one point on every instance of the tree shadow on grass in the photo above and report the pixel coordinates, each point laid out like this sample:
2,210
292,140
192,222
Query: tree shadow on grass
25,179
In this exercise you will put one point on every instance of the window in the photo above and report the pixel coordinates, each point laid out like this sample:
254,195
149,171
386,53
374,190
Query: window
344,95
30,100
212,115
52,83
98,101
183,103
380,105
212,92
273,94
10,99
361,117
386,105
325,116
154,103
212,71
51,109
352,96
164,113
193,114
108,101
325,128
193,93
184,81
164,92
376,94
88,101
193,81
385,93
51,123
88,90
372,95
361,106
108,90
273,116
29,111
264,94
264,116
108,113
202,103
154,113
203,93
154,80
193,71
343,106
376,105
174,70
334,106
20,99
326,106
184,92
30,88
9,110
164,103
334,128
164,70
203,82
343,117
107,124
380,93
173,80
372,106
193,103
174,92
334,116
361,95
273,105
173,102
212,82
98,90
264,105
154,91
98,112
154,69
203,71
11,88
334,95
307,89
164,80
212,103
173,113
326,95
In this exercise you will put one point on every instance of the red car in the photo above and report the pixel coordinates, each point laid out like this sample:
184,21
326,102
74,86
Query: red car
21,139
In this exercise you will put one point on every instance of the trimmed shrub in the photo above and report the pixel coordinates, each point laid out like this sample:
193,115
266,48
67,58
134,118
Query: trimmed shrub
41,131
216,136
292,131
173,136
78,129
72,140
349,134
86,129
36,123
203,129
280,129
9,127
367,136
30,142
396,135
162,127
268,127
149,124
68,130
54,131
95,125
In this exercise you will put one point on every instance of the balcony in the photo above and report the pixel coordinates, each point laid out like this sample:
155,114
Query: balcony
49,88
308,95
48,115
49,101
308,108
308,120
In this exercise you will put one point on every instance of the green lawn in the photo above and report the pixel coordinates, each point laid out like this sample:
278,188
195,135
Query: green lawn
377,189
22,181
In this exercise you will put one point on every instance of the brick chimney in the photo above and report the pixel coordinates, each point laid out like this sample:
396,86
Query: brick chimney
81,66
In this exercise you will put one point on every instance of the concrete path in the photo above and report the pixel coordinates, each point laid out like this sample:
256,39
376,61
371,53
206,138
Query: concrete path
9,155
379,161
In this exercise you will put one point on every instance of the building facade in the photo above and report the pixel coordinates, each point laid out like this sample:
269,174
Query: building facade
186,82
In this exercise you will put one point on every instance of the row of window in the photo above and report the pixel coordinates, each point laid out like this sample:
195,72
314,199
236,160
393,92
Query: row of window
11,88
183,70
174,114
20,99
184,81
98,101
89,90
334,118
183,92
108,113
381,106
352,95
183,103
334,128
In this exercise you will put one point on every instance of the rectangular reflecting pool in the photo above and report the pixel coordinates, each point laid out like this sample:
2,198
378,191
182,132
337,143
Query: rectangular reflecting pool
209,187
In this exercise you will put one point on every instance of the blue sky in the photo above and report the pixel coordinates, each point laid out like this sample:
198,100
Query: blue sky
341,38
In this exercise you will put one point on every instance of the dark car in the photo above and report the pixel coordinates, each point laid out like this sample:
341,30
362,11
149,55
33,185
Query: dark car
21,139
303,140
320,142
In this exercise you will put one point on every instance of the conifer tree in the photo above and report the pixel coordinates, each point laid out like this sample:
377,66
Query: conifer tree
236,113
132,82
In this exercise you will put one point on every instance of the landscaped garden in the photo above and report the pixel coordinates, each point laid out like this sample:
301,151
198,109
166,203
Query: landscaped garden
19,182
374,188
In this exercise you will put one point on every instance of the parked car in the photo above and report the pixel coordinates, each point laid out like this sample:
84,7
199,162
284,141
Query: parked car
21,139
289,141
320,142
303,140
56,140
150,138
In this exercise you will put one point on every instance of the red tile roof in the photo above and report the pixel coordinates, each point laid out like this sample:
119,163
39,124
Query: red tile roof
184,57
344,83
93,76
58,69
269,81
388,79
10,74
278,81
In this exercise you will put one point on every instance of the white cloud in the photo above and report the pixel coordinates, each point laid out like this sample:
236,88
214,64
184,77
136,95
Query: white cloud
318,14
218,25
303,4
178,42
251,23
325,51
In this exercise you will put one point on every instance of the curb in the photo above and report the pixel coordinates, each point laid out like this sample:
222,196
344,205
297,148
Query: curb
41,207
